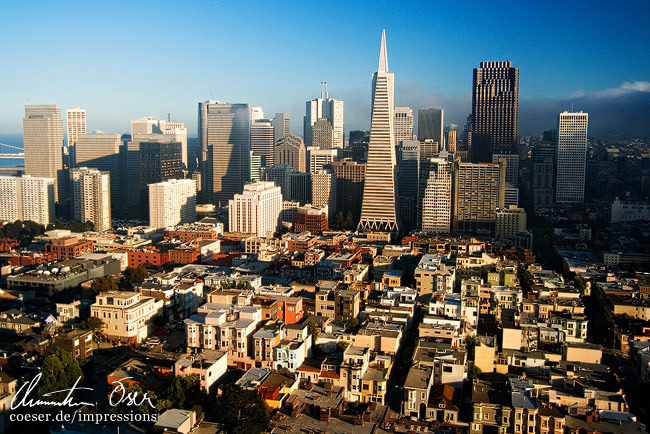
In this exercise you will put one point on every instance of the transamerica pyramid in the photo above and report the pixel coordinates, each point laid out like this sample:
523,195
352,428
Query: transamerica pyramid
379,210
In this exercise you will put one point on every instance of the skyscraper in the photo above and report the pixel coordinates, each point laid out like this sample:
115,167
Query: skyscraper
495,104
256,210
403,124
172,202
75,125
91,197
226,128
262,140
430,125
409,175
324,108
318,158
322,134
43,142
436,200
280,126
350,177
291,150
379,208
149,125
543,158
451,140
323,192
571,157
102,152
479,189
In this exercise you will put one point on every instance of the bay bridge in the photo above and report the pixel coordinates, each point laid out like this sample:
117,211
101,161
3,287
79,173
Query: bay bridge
11,152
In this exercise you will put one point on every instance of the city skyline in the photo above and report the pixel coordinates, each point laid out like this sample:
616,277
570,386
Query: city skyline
434,69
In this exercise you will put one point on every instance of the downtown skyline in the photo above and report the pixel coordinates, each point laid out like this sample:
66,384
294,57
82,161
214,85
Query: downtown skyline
135,66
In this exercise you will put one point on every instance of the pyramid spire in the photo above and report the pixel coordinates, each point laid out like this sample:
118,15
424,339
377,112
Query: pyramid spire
383,55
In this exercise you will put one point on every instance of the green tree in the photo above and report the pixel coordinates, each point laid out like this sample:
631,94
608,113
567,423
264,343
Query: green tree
133,275
185,392
241,411
313,331
60,371
339,221
93,324
579,284
470,343
103,284
352,324
474,372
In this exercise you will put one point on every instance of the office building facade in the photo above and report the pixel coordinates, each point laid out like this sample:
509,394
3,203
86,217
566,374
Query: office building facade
90,197
172,202
571,156
256,210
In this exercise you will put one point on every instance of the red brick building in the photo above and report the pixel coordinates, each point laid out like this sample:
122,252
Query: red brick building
68,247
149,256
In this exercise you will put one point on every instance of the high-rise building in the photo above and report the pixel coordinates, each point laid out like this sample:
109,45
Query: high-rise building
262,140
322,134
318,158
323,192
300,187
510,221
543,159
451,140
27,198
350,176
495,104
478,190
324,108
358,146
430,125
256,167
172,202
280,126
403,124
436,200
75,125
379,208
279,175
512,167
408,178
571,157
149,125
91,197
155,158
226,128
257,210
291,150
102,152
43,142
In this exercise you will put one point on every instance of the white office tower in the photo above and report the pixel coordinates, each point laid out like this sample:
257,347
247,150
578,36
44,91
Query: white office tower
262,140
91,197
318,158
75,125
403,124
43,142
27,198
436,204
149,125
379,208
257,113
323,192
571,155
257,210
280,126
324,108
172,202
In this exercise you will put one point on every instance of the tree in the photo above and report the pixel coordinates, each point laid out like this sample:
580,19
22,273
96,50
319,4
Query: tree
185,392
470,343
60,371
103,284
352,324
133,275
241,411
313,331
339,222
579,284
93,324
474,372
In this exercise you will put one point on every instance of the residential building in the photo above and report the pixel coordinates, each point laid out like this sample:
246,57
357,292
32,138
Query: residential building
27,198
257,210
91,197
509,222
172,202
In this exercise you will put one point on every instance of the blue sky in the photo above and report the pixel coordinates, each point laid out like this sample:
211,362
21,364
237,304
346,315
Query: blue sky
125,60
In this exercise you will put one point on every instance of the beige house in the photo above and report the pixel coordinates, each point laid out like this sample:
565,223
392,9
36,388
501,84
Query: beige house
128,316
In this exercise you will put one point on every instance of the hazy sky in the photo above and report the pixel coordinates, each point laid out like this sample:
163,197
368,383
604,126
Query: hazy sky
125,60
